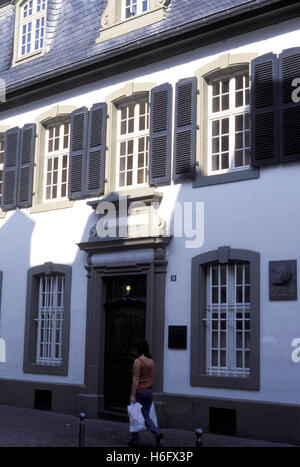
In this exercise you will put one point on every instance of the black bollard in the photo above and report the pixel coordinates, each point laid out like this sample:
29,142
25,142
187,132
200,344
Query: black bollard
81,429
199,434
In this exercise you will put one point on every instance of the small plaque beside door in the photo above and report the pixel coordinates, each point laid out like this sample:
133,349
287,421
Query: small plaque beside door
177,337
283,280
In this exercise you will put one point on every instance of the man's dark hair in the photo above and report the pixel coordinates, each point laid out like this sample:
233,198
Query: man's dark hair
142,347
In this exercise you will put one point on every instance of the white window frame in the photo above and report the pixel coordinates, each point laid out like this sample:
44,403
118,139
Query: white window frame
1,164
226,319
50,321
60,153
139,7
135,135
39,13
231,113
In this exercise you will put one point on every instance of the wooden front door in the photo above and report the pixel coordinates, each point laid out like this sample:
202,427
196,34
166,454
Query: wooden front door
125,322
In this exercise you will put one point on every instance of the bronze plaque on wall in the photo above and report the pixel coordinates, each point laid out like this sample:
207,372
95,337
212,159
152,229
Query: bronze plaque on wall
283,280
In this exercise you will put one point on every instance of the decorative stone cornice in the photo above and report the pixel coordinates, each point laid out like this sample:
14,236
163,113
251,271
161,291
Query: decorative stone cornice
121,244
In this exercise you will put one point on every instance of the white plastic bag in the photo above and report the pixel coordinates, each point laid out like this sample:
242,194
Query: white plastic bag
152,415
136,418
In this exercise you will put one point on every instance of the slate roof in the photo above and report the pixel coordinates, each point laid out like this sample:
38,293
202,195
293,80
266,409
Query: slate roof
73,27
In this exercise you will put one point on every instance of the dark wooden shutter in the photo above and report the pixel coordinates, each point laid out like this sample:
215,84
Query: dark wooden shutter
264,110
25,179
289,111
78,149
185,130
95,173
160,135
10,169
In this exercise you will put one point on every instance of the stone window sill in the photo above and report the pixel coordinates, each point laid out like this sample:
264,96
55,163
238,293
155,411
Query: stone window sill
208,180
51,206
28,58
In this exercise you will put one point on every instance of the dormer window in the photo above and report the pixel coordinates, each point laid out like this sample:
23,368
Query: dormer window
32,26
135,7
30,29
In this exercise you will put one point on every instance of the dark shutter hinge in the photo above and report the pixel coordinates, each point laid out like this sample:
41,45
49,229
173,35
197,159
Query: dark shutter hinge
105,180
198,91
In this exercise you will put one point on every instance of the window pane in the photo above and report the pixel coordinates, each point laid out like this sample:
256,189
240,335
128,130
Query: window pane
131,110
223,358
239,99
142,123
141,176
223,296
215,128
239,140
214,358
225,161
223,275
123,127
239,82
225,126
225,86
247,157
239,155
215,163
215,145
129,178
216,104
216,88
129,163
123,148
215,276
130,147
215,295
122,179
239,123
142,108
225,143
225,102
141,144
141,161
131,126
122,163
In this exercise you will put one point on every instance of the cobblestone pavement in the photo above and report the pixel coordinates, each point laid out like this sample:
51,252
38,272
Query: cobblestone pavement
27,427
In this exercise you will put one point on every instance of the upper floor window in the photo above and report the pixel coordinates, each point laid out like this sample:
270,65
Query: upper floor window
56,161
133,143
1,162
223,150
135,7
229,123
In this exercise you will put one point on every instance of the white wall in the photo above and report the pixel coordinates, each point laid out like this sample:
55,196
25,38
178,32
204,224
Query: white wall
260,215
